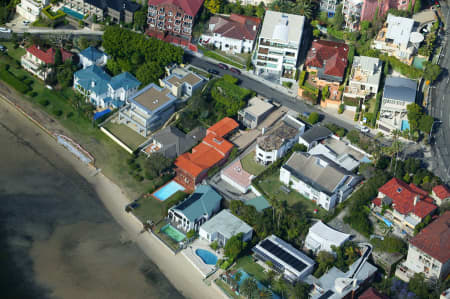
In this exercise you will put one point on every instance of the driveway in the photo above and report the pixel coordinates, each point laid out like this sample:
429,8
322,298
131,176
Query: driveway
338,224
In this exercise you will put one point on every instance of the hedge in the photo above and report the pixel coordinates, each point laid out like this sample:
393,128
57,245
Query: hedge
301,80
351,101
59,13
404,69
9,78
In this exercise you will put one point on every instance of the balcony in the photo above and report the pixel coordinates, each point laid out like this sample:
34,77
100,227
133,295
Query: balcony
263,51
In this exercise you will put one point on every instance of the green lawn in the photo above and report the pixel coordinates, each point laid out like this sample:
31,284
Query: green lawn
149,209
216,56
371,104
226,289
199,72
14,53
250,165
247,264
108,155
125,134
271,186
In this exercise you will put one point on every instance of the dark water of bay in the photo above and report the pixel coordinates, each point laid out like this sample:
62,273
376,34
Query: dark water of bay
56,238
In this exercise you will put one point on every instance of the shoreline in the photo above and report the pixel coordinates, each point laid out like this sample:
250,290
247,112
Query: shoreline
177,269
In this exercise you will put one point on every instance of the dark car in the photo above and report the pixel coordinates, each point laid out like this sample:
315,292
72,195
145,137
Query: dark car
130,207
214,72
222,66
235,70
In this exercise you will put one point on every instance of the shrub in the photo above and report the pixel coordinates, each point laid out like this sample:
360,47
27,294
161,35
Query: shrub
326,92
351,101
356,116
301,80
190,234
12,80
313,118
214,245
287,84
341,108
230,79
69,114
53,16
44,103
57,112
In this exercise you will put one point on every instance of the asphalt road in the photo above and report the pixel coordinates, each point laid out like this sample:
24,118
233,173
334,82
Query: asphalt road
440,108
268,92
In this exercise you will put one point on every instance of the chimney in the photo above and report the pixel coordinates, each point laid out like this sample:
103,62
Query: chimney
263,130
416,199
93,84
254,27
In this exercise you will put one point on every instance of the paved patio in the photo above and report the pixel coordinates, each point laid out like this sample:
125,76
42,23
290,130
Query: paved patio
196,261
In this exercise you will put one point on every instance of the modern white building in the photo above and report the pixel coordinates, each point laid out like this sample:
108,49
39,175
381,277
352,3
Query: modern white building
235,33
351,9
181,82
91,56
31,9
102,90
148,109
318,179
429,252
278,46
223,226
321,237
196,209
394,38
364,77
291,262
255,112
398,93
275,144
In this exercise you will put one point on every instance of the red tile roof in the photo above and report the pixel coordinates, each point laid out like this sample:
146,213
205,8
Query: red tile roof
48,56
434,239
223,127
213,149
442,192
190,7
330,55
377,201
403,196
371,293
236,26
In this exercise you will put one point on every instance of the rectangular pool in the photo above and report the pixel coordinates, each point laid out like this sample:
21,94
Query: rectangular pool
173,233
72,13
168,190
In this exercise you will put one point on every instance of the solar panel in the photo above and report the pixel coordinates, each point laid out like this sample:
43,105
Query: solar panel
183,205
283,255
328,294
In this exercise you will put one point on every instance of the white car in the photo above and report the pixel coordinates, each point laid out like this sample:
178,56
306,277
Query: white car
5,30
363,129
26,22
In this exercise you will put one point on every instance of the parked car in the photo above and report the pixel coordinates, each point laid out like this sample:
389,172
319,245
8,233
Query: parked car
212,71
5,30
363,129
3,48
306,114
222,66
235,70
26,22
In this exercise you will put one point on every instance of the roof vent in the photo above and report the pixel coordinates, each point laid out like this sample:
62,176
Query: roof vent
399,190
155,101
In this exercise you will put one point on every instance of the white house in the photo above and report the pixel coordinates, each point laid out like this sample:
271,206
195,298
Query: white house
223,226
102,90
429,252
92,55
278,46
321,237
181,82
274,145
318,178
235,33
237,177
292,263
196,209
364,77
31,9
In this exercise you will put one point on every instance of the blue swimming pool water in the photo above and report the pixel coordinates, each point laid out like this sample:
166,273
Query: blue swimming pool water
405,125
388,223
207,257
418,62
168,190
72,13
245,275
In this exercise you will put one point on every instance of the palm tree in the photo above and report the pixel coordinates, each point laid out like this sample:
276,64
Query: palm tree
249,288
305,8
263,294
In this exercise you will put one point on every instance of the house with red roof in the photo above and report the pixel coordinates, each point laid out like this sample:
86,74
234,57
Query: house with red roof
235,33
410,204
440,194
192,168
328,59
36,57
429,251
174,18
372,293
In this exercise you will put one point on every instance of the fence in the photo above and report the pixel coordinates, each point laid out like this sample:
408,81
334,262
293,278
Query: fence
116,140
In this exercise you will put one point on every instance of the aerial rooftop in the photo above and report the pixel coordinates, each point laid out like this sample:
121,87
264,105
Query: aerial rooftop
282,27
227,224
286,130
152,97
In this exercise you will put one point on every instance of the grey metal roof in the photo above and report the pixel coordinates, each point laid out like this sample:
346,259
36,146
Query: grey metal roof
402,89
316,133
226,224
174,142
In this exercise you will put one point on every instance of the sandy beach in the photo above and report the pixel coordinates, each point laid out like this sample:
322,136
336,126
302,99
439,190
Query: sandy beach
177,269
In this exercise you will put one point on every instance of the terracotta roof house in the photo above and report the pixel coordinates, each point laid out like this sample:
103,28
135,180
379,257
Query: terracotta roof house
235,33
440,194
193,167
372,293
172,18
429,251
36,56
410,203
329,59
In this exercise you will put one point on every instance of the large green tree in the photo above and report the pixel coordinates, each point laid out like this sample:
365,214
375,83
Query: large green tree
234,246
140,18
249,288
432,71
212,5
338,19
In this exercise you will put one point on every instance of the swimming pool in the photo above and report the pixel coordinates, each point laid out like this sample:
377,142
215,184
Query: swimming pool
405,125
72,13
245,275
168,190
207,257
418,62
173,233
388,223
